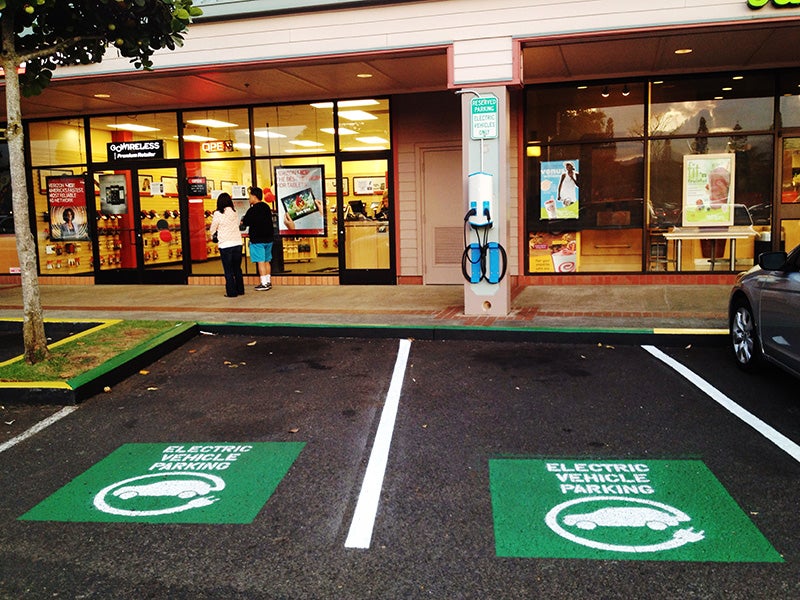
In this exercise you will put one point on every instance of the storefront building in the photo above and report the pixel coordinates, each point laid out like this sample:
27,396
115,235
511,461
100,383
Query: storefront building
616,130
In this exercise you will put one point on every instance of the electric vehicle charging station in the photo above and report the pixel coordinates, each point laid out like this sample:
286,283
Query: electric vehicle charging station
487,289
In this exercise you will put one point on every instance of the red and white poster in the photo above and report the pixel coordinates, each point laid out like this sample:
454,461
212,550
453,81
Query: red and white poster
66,202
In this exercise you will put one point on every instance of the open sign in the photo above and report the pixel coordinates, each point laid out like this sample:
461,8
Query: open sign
218,146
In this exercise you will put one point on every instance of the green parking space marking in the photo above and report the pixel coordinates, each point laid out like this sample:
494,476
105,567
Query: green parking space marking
660,510
173,483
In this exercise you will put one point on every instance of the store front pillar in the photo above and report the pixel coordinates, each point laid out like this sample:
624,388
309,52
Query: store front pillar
485,135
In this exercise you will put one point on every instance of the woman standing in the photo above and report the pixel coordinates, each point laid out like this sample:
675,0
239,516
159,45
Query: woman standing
225,223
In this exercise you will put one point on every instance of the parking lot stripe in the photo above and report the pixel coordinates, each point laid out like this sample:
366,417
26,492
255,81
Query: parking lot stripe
37,428
360,534
777,438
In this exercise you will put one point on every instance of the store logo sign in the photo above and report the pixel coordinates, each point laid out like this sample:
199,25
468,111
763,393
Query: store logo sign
152,149
218,146
756,4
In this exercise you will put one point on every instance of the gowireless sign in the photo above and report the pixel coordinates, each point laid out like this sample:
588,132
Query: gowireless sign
153,149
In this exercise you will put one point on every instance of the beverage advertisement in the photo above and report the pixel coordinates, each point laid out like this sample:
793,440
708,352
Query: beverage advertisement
559,183
301,200
708,184
553,253
66,203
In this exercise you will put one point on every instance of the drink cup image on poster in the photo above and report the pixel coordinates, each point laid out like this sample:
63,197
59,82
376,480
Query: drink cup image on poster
708,184
301,195
553,253
559,186
113,194
66,200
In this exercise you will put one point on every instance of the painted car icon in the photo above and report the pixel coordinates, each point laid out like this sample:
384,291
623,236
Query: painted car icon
180,488
626,517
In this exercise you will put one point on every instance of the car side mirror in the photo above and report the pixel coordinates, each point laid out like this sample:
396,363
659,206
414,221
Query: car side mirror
772,261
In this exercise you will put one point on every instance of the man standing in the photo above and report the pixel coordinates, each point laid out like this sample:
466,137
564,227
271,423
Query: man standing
259,219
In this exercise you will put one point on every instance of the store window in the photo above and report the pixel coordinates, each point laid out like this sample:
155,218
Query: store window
789,92
585,179
149,127
714,104
220,133
59,142
293,130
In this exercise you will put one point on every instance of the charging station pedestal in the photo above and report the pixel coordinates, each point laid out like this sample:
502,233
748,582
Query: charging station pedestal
484,115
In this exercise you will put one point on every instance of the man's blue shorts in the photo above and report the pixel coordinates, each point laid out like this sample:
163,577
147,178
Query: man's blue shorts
261,252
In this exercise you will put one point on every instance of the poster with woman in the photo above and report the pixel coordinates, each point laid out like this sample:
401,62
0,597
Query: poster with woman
708,184
559,184
301,200
66,205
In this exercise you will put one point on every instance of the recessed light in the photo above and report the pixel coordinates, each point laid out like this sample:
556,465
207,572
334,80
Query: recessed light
684,51
196,138
211,123
582,87
737,77
364,75
342,131
268,134
718,98
372,139
658,82
133,127
306,143
102,95
357,115
727,89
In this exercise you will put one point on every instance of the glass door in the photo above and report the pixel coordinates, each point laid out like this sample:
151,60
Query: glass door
366,223
139,226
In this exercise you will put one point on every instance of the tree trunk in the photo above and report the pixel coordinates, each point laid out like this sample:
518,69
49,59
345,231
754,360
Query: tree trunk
33,323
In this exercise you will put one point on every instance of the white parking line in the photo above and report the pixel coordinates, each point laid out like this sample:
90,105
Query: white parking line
37,428
360,534
777,438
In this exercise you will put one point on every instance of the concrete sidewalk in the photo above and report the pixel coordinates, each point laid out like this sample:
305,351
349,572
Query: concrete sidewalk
540,307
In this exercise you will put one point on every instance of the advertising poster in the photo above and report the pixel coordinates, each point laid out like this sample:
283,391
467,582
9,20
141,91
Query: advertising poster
554,253
559,190
66,204
301,200
708,184
113,194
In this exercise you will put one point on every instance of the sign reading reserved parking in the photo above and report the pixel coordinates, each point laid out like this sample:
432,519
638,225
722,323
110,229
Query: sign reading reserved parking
173,483
619,510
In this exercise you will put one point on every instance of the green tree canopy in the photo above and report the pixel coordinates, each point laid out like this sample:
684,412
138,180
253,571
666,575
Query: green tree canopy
47,34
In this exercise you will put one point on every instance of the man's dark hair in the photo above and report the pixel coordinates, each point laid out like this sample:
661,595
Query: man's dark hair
256,191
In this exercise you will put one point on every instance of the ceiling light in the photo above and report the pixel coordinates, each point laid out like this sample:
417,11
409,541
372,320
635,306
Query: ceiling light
626,90
364,75
306,143
363,148
684,51
582,87
737,77
533,149
342,131
659,82
357,115
102,95
133,127
240,146
372,139
197,138
211,123
346,103
718,97
267,134
605,93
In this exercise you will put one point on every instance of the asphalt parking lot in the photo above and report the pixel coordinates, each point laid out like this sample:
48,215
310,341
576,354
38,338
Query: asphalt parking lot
245,467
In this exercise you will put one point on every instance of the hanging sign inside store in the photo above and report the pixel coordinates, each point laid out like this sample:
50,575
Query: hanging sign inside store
559,184
66,205
708,184
151,149
756,4
667,510
301,210
218,146
483,116
197,186
113,194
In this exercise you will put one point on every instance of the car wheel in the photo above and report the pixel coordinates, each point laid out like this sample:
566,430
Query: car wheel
744,336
